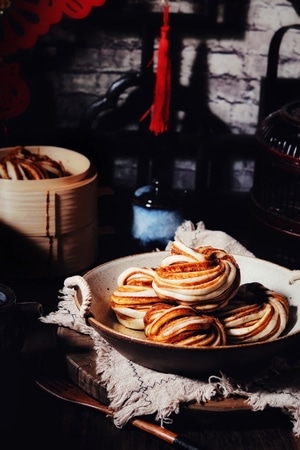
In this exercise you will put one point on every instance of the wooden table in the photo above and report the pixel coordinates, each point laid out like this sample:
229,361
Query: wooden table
226,426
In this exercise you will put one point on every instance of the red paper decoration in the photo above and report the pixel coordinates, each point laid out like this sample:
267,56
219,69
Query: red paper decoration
14,92
21,23
24,21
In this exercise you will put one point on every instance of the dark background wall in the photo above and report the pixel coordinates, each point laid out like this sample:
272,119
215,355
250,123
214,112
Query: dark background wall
220,54
219,58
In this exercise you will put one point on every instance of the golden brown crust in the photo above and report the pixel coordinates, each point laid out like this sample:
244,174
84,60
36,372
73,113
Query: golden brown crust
182,325
21,164
194,298
134,296
256,314
205,278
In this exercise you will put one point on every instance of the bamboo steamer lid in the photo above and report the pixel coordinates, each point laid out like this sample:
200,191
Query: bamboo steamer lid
50,227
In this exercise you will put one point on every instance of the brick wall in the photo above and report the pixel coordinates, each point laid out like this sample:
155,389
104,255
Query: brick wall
82,58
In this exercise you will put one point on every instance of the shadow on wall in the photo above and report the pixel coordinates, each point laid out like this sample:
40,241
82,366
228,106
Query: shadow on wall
209,18
189,103
127,99
193,100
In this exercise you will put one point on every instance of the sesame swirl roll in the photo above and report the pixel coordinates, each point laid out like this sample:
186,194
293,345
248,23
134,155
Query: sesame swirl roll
205,277
184,326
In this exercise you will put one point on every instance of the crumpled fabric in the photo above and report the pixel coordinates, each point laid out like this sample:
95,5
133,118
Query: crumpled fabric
198,236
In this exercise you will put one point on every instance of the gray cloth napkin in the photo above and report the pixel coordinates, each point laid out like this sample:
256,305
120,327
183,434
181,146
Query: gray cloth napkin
197,236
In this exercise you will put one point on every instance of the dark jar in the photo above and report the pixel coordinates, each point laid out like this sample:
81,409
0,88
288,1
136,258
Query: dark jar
275,194
157,213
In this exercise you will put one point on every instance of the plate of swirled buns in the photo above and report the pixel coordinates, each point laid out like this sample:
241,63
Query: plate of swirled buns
194,311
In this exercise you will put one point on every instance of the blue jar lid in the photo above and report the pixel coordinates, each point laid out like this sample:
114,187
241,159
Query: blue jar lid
154,197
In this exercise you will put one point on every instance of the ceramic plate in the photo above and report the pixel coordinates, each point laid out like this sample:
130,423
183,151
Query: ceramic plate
184,360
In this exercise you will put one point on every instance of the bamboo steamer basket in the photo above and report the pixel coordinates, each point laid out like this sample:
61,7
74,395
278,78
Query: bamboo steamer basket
50,227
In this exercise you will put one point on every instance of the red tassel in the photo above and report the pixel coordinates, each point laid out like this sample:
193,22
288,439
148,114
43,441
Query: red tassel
162,93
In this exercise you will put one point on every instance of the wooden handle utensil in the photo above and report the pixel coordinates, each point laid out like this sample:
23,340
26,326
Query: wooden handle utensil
66,390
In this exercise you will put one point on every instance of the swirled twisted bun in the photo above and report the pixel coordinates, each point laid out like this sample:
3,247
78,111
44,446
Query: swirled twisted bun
255,314
21,164
182,325
134,296
205,278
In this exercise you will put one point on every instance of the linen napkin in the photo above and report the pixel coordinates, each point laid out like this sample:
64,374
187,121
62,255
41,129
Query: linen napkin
134,390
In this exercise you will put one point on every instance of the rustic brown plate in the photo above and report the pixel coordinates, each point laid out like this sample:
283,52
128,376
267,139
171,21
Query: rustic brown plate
186,360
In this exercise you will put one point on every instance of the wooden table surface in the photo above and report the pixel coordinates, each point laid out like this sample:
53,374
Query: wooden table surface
38,420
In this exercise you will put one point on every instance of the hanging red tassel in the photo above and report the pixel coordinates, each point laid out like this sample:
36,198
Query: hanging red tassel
162,93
